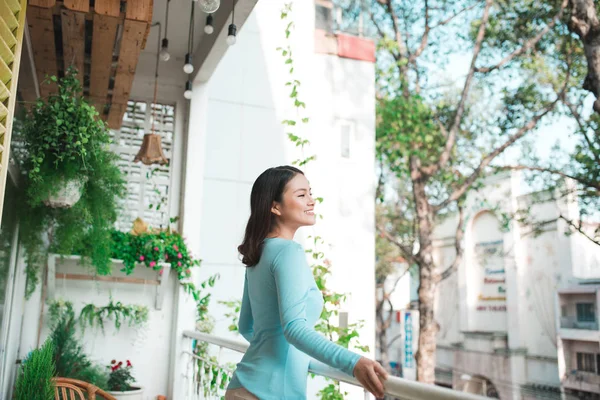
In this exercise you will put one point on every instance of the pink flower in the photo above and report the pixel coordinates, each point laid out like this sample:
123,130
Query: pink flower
188,271
156,249
141,258
152,264
166,256
179,263
175,247
179,255
161,271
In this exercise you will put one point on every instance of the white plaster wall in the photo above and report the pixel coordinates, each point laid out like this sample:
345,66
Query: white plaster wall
246,101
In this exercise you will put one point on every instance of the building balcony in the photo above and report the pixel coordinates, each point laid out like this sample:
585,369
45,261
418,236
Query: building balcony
582,381
573,323
572,329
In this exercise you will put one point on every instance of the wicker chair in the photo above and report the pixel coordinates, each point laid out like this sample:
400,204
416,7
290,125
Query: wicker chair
72,389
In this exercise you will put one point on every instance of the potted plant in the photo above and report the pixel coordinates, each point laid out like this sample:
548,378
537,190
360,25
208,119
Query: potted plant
37,370
71,178
120,382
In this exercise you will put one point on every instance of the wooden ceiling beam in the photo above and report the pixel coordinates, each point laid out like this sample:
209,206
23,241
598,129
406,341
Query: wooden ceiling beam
131,46
103,42
41,29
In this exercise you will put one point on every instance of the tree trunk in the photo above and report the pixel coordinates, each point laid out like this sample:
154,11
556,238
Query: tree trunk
428,327
383,350
584,22
383,325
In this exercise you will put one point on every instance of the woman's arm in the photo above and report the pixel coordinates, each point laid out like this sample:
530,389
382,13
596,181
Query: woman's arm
246,322
293,279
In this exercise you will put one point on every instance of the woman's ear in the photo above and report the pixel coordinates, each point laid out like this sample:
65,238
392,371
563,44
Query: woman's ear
275,208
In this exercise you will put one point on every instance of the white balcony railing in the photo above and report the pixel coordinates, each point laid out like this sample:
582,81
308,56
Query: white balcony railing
203,372
574,323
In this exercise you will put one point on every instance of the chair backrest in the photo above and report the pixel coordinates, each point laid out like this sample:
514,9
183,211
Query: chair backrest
73,389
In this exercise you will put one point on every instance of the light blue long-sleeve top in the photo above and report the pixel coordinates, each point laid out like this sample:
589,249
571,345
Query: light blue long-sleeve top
280,306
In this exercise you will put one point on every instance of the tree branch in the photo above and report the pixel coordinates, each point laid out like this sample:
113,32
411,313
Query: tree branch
583,128
594,185
460,233
404,249
528,44
390,9
453,131
413,57
449,19
578,229
459,192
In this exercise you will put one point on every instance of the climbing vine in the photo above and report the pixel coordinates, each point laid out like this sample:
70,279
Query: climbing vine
321,265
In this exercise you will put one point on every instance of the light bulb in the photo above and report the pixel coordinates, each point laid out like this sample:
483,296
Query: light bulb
231,39
209,28
188,68
188,90
209,6
164,51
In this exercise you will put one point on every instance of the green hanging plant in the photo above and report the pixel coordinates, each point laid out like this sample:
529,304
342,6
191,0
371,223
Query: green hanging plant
66,146
92,315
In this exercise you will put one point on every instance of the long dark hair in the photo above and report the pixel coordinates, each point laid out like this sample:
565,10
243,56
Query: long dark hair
267,188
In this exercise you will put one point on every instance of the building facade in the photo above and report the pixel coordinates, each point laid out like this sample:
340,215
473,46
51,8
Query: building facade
499,315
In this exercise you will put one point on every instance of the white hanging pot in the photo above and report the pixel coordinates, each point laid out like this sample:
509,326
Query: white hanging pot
67,195
136,394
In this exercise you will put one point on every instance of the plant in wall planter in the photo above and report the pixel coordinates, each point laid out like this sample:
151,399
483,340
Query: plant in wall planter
72,180
120,382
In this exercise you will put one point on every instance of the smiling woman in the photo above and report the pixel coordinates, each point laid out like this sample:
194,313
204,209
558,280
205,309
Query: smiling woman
281,301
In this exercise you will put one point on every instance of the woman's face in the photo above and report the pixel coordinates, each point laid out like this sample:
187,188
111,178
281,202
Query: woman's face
297,206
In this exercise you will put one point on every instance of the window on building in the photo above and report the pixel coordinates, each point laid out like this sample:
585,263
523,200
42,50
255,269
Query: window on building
586,362
148,187
586,312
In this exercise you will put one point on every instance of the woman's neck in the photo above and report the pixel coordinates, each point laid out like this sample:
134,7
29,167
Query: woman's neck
283,232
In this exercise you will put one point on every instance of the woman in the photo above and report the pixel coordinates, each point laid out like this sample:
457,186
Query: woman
281,301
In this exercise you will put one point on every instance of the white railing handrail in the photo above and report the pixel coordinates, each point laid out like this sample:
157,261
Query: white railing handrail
394,386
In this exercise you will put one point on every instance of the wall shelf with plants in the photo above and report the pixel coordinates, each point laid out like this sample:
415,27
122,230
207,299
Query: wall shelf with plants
161,280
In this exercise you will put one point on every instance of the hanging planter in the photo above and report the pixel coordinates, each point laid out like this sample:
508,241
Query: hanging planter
68,194
72,180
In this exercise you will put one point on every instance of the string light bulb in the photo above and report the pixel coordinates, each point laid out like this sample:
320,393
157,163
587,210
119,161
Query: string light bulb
231,33
209,28
164,50
231,39
188,67
188,90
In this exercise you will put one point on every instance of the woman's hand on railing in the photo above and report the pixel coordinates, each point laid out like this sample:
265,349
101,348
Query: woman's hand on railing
371,375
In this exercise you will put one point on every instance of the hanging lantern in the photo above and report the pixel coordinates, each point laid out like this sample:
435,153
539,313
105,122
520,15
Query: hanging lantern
151,151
